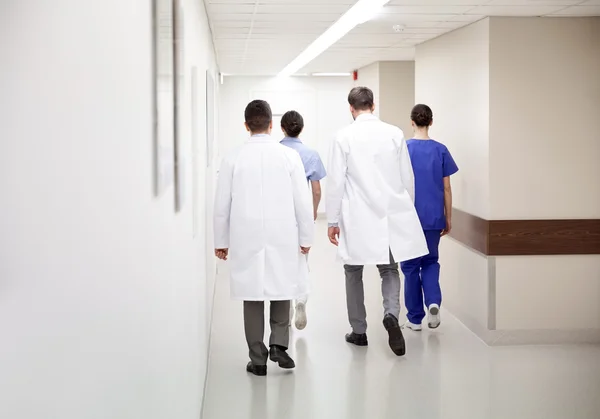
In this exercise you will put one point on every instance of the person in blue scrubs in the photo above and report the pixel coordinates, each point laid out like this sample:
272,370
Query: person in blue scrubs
292,125
432,165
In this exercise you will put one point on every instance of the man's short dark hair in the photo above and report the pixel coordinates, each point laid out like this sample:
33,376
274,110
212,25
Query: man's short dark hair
258,116
361,98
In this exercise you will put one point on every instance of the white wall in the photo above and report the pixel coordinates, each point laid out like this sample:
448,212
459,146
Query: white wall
548,292
369,77
452,77
544,108
544,105
397,93
465,279
322,101
102,287
513,98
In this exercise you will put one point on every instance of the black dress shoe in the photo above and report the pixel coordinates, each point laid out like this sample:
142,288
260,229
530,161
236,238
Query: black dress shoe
278,354
396,339
356,339
260,370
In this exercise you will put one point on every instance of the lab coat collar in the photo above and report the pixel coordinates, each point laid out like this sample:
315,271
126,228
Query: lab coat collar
260,138
366,117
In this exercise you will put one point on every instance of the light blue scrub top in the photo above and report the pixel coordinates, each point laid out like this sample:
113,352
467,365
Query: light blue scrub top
431,162
313,166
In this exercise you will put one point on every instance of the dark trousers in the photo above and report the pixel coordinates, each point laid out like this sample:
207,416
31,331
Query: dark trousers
254,326
355,294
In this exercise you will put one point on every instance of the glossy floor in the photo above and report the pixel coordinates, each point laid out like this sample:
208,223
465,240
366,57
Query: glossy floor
448,373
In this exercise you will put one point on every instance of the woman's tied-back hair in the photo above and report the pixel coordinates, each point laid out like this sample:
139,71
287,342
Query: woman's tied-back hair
258,116
421,115
292,123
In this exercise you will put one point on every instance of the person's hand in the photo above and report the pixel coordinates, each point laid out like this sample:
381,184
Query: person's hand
334,233
448,228
315,215
222,253
304,250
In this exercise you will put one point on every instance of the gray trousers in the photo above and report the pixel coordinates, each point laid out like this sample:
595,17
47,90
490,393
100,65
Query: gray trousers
254,326
355,294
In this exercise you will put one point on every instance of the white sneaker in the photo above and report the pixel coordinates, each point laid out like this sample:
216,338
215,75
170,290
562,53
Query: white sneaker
433,319
412,326
301,316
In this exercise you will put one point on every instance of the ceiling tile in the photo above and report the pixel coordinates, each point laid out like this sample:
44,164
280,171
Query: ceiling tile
533,3
287,2
282,26
470,18
228,8
282,17
437,2
426,10
279,8
230,2
514,10
266,41
337,9
411,18
383,27
579,11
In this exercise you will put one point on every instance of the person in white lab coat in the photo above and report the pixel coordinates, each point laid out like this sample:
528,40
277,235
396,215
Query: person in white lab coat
371,213
263,224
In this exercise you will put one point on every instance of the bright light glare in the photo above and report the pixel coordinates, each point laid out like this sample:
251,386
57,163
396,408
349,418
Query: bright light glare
362,11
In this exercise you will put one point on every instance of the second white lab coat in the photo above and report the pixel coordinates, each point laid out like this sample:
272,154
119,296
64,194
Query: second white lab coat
263,214
370,194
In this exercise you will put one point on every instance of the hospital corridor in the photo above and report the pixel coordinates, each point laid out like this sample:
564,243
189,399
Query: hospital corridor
446,373
299,209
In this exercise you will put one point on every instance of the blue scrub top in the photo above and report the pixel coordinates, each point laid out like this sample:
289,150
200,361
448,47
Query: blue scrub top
313,166
431,162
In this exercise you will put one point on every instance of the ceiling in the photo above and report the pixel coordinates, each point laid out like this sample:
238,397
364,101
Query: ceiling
260,37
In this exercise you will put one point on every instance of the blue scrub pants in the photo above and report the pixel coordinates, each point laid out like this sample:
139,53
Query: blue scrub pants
422,277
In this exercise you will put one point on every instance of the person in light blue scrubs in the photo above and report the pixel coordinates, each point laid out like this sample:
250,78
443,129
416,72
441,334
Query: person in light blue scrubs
292,125
432,165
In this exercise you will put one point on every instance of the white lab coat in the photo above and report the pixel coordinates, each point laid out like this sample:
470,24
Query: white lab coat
263,214
370,194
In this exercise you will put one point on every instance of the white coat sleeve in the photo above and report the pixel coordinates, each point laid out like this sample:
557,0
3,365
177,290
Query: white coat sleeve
222,212
406,170
336,182
302,202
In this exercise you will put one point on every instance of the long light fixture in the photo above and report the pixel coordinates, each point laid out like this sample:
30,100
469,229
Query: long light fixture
331,74
362,11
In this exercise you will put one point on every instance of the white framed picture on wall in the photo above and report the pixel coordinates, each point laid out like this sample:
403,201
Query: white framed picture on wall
164,97
210,117
179,104
195,150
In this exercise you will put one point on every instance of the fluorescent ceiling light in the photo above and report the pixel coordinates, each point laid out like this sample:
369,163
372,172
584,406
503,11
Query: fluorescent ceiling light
331,74
362,11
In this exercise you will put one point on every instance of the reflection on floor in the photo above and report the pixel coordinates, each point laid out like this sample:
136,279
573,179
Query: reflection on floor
448,373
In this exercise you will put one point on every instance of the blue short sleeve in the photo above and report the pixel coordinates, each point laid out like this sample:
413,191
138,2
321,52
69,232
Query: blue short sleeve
315,170
449,167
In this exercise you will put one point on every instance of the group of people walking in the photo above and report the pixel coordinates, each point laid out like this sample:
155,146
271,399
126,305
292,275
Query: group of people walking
389,201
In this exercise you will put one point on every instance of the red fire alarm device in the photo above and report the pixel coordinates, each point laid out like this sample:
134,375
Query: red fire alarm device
355,75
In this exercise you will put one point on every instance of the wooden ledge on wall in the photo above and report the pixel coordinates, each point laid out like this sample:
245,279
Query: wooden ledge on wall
526,237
